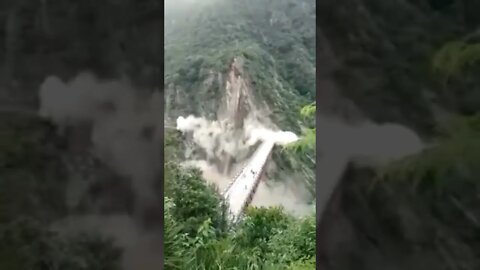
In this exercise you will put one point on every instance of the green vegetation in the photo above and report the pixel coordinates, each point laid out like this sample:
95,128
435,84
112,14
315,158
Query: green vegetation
437,188
455,151
279,66
117,38
409,62
454,57
276,41
198,236
308,140
449,164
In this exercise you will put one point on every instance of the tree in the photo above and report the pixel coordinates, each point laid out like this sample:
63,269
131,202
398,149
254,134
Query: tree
194,201
453,57
174,239
259,226
457,147
445,173
259,241
299,238
308,140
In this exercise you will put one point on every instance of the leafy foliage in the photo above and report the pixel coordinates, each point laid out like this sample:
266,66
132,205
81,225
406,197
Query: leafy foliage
456,150
440,186
234,251
299,239
259,226
173,237
276,41
194,202
454,57
308,141
197,235
280,66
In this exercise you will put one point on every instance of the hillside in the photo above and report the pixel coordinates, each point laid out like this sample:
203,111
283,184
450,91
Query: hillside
236,71
85,178
90,197
382,64
244,63
276,39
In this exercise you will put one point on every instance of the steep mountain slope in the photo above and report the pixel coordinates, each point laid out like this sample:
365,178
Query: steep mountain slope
249,63
213,35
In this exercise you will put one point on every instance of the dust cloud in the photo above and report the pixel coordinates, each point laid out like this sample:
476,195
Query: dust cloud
124,135
210,173
364,144
124,125
289,195
217,134
217,138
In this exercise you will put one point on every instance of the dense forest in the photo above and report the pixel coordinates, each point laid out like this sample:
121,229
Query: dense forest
65,207
403,61
276,42
198,234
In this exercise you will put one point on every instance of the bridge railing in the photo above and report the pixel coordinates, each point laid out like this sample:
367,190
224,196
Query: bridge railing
256,180
234,179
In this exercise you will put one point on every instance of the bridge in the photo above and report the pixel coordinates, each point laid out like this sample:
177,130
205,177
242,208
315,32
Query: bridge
240,191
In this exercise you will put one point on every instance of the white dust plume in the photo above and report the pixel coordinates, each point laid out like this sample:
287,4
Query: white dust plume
124,126
364,144
217,138
124,135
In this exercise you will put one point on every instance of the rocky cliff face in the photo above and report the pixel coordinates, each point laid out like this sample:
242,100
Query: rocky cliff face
233,63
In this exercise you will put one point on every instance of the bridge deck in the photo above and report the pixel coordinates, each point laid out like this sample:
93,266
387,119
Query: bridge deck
242,187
